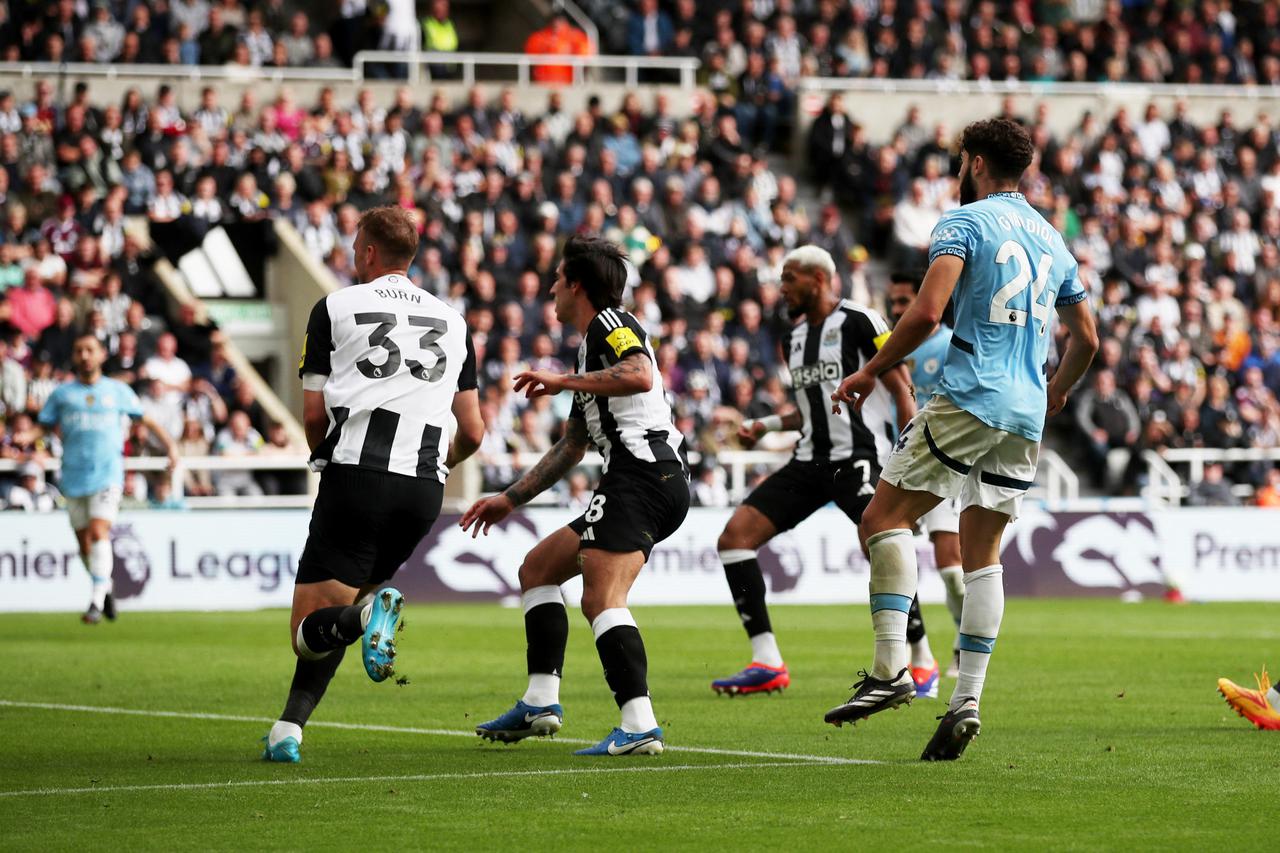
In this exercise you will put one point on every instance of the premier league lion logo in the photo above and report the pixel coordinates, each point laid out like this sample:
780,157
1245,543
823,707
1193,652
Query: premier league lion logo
131,569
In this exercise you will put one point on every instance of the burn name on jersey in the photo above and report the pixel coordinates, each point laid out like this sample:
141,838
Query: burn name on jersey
402,295
808,375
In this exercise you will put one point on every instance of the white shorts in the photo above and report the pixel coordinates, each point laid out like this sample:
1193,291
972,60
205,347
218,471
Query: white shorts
104,505
950,453
943,518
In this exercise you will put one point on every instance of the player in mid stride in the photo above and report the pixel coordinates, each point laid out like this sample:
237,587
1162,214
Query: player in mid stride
838,457
383,366
90,413
642,498
978,439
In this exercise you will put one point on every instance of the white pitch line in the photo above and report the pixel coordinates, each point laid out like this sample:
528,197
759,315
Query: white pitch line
372,727
417,777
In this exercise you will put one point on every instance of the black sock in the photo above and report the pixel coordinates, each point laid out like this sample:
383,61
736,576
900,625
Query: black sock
746,584
915,622
626,668
310,679
546,631
332,628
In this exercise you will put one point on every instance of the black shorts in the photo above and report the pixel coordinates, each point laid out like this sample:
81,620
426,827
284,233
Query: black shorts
365,524
799,489
634,508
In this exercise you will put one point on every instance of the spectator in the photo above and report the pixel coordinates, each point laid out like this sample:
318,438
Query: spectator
238,438
558,38
1213,490
650,32
32,307
31,493
1108,423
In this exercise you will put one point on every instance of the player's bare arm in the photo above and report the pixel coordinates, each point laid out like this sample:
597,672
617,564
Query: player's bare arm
753,429
916,325
162,435
632,375
897,381
1081,347
557,462
466,441
315,419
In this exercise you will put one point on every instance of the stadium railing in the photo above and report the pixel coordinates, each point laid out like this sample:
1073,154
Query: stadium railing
416,61
1165,485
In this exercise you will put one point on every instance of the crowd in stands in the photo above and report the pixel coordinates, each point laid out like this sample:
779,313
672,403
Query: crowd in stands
1081,41
1176,225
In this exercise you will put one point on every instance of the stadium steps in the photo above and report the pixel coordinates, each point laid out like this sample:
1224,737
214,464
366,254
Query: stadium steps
179,294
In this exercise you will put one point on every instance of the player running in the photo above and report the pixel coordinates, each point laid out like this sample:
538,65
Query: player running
383,365
838,457
979,437
643,496
942,523
1260,707
91,414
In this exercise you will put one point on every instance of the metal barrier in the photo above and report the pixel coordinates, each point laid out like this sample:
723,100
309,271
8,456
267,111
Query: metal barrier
631,67
266,462
523,62
1166,486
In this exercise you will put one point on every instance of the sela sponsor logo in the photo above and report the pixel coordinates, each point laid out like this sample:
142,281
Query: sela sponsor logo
582,398
807,375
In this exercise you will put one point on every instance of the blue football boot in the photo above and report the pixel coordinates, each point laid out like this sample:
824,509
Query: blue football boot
378,646
285,752
627,743
523,721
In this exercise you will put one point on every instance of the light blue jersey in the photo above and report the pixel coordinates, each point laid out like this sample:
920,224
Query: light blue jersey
1016,269
926,363
94,423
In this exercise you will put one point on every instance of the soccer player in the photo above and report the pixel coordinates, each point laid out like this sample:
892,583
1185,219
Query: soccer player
1260,707
838,457
91,413
942,523
979,438
642,498
383,365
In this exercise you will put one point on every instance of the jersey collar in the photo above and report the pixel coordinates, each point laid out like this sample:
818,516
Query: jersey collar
395,279
1013,195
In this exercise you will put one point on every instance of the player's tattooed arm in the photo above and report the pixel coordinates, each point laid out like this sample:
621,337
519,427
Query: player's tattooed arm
552,467
632,375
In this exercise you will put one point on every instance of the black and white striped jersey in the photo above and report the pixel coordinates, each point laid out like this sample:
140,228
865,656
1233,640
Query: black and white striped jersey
631,430
819,357
391,357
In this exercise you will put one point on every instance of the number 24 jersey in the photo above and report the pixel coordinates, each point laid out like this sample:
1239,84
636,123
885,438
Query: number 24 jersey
1016,271
393,356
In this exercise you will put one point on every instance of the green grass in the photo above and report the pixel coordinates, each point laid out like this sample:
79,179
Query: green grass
1101,730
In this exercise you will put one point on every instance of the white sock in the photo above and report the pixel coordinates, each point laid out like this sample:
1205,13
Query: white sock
764,649
979,625
1273,697
282,730
637,715
921,654
101,559
893,585
544,689
953,580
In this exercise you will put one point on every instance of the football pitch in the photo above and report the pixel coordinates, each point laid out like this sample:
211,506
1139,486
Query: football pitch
1102,729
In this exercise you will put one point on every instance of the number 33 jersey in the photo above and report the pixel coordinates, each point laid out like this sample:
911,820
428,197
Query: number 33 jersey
389,358
1016,271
